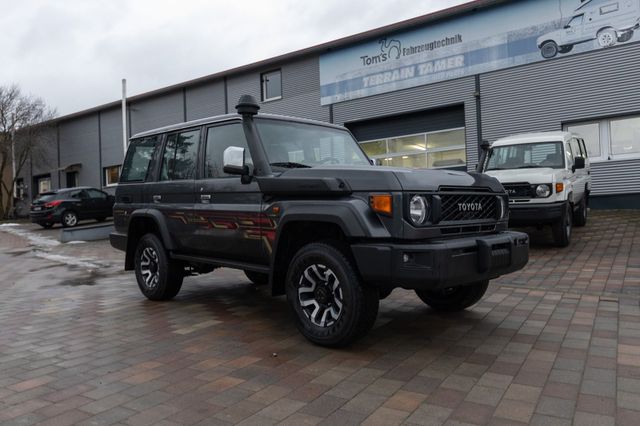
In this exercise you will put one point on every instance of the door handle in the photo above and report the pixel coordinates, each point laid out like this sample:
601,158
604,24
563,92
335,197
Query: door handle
205,198
157,198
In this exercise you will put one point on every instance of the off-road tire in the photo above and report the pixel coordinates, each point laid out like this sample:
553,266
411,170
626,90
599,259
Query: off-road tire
562,229
454,299
169,272
581,214
258,278
358,303
549,49
69,219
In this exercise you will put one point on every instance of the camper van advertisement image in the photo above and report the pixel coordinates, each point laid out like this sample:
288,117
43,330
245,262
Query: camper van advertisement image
490,39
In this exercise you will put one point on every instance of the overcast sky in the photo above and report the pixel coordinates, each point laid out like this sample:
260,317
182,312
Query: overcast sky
73,53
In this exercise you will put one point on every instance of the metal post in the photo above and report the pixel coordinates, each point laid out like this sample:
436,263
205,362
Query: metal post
13,165
124,115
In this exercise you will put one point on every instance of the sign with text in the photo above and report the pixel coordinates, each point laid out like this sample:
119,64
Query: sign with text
515,33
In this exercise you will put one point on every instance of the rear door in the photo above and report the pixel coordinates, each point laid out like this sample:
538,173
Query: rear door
228,216
172,193
101,207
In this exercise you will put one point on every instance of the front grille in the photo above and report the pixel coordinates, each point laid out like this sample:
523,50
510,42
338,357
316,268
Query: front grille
521,190
465,207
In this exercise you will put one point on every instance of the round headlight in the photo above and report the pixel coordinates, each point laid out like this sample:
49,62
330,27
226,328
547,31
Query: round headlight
543,191
418,209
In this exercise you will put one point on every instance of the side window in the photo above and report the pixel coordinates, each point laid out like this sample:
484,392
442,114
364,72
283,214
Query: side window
220,138
180,156
95,194
77,195
569,154
583,149
575,148
271,85
138,159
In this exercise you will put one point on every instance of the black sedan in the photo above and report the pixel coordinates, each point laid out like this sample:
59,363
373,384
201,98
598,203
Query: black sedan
70,205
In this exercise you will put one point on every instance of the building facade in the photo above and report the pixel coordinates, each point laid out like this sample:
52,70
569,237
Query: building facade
420,93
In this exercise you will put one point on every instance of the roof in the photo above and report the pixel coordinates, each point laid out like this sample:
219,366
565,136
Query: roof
468,7
532,138
228,117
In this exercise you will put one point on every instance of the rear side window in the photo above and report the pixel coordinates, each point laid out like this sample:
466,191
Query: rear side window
138,159
218,139
94,193
46,197
180,156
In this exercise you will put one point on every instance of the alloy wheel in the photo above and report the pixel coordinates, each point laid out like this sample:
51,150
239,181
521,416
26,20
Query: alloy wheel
320,295
149,267
70,219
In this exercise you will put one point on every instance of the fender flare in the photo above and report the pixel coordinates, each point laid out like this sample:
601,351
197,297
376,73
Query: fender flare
158,218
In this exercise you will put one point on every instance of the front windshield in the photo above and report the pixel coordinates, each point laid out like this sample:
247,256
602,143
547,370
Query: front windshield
290,145
527,155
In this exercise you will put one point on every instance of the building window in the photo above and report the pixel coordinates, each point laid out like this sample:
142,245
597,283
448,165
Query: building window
111,175
271,85
441,149
609,139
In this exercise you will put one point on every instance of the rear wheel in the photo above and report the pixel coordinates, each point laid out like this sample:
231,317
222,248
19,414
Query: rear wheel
580,215
69,219
562,229
454,299
331,305
159,278
257,278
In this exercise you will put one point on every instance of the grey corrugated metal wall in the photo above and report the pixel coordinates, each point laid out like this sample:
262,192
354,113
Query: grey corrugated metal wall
156,112
79,145
205,101
300,90
543,96
111,134
438,95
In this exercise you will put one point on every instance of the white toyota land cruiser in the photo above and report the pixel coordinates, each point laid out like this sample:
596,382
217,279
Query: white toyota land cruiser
548,179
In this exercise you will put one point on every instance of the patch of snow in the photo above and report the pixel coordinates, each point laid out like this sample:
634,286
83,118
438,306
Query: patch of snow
75,242
34,239
67,260
2,225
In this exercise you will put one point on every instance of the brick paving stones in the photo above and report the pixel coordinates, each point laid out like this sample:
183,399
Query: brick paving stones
555,343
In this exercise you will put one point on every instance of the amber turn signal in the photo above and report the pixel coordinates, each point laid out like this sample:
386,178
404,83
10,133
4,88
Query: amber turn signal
559,187
381,203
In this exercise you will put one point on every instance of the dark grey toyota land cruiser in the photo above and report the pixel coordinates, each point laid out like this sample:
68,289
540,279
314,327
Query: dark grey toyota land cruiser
297,205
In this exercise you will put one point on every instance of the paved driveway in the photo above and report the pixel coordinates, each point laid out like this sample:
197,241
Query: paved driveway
555,343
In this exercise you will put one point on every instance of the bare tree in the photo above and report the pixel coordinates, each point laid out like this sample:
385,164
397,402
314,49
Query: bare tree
24,120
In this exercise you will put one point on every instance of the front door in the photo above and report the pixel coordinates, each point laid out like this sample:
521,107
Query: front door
172,193
227,213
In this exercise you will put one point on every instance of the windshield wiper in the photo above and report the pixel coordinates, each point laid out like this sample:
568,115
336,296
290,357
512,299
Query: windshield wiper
290,165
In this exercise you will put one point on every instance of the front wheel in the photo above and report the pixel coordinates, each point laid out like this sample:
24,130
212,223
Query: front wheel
454,299
159,278
562,229
580,215
331,305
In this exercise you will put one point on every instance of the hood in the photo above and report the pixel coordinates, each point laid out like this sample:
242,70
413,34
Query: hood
535,175
377,178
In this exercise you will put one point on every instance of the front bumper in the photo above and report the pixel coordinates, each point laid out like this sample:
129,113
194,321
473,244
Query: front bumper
536,214
442,263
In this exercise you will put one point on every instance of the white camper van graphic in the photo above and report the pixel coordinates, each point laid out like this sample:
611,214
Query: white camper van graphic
607,21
